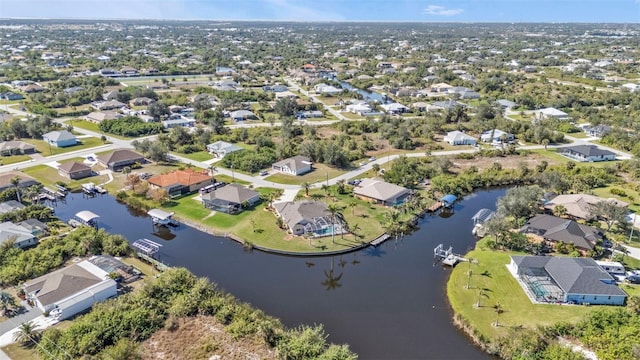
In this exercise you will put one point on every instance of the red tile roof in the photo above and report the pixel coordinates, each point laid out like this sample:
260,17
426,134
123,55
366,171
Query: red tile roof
187,177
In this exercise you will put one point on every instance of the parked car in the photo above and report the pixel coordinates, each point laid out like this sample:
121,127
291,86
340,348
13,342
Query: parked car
264,173
373,158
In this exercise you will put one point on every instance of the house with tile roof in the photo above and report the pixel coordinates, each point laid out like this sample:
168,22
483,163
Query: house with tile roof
553,279
180,182
579,205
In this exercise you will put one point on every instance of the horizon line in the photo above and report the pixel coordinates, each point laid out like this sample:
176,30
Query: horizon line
317,21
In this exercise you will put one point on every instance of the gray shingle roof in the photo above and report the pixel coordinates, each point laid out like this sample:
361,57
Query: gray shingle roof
59,135
559,229
232,193
586,150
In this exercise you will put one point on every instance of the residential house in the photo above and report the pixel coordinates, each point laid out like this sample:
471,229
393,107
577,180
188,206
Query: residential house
565,280
506,104
587,153
444,105
325,89
360,108
286,94
178,121
552,113
99,116
296,165
34,226
241,115
180,182
394,108
440,88
579,205
33,88
120,158
555,229
11,96
71,290
381,192
24,180
14,147
20,236
420,106
222,148
9,206
108,105
311,218
598,130
110,95
496,136
62,138
141,101
459,138
230,199
129,71
75,170
310,114
275,88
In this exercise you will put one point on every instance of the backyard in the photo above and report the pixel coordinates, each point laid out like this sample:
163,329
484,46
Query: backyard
48,176
47,150
320,172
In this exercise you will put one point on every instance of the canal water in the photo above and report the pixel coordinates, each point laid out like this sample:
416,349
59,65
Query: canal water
387,302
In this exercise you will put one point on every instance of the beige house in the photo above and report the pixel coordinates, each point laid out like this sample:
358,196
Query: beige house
381,192
578,205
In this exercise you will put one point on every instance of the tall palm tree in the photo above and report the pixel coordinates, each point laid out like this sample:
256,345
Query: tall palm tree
27,333
306,186
15,181
353,205
335,212
332,281
354,230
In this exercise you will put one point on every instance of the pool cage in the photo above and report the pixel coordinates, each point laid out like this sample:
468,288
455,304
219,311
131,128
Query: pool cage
540,286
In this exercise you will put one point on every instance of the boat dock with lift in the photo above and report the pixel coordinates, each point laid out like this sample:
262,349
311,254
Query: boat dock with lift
447,257
161,217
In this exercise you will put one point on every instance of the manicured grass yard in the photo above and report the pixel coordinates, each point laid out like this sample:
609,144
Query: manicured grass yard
6,160
46,150
19,352
319,173
48,176
500,287
197,156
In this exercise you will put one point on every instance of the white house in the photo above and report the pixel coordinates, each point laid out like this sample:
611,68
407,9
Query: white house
222,148
326,89
459,138
587,153
21,236
496,135
296,165
71,290
394,108
551,113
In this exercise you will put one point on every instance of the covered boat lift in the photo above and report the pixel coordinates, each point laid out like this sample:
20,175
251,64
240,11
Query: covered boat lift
161,217
87,217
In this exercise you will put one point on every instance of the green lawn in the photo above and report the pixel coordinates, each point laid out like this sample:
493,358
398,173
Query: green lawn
499,286
88,125
319,173
48,176
46,150
197,156
19,352
6,160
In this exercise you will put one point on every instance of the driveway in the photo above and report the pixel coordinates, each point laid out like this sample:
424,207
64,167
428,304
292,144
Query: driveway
7,326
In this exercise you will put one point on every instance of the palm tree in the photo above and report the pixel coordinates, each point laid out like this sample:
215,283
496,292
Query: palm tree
6,302
325,187
26,333
212,169
15,181
341,186
306,187
354,230
335,213
331,282
499,310
353,205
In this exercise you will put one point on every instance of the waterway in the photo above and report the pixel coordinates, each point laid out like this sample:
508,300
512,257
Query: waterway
387,302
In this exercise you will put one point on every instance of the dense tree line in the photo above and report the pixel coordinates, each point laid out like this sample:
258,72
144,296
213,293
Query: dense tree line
32,128
35,211
250,161
130,126
19,265
177,293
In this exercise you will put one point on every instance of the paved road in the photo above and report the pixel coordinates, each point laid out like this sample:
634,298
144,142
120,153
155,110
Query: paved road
633,252
11,324
314,98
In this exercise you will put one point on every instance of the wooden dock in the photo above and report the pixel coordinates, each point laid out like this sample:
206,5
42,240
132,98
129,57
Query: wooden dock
435,206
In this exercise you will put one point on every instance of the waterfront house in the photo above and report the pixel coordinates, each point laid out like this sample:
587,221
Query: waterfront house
578,206
296,165
34,226
555,229
394,108
221,148
62,138
311,218
587,153
71,290
9,206
565,280
20,236
381,192
15,147
180,182
325,89
230,199
75,170
496,136
120,158
459,138
24,180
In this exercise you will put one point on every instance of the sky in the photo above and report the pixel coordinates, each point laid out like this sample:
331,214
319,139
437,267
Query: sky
627,11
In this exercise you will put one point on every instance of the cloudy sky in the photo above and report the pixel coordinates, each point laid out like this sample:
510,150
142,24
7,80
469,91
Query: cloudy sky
332,10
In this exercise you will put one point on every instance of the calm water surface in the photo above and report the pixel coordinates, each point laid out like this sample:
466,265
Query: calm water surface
386,303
